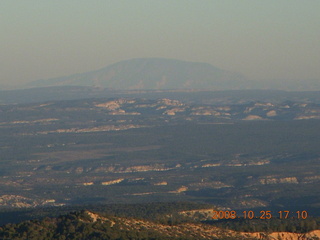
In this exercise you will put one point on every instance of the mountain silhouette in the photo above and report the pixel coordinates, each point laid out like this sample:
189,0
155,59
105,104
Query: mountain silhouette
152,73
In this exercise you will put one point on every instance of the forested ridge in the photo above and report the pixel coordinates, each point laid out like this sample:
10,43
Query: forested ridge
146,221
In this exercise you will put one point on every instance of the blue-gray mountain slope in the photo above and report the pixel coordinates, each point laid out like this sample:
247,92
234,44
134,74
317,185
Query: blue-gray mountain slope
152,73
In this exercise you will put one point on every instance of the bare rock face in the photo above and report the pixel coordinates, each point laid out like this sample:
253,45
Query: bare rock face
160,183
113,181
272,113
277,180
284,235
25,202
253,117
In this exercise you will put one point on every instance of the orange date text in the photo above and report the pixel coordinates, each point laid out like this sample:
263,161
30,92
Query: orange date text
285,214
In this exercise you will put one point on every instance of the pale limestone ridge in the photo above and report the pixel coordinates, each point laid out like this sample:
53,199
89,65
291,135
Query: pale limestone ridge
277,180
112,182
19,201
105,128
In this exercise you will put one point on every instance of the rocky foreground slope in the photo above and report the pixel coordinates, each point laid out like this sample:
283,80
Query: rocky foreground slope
89,225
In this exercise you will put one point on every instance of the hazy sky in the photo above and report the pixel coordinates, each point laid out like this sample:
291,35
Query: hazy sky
261,39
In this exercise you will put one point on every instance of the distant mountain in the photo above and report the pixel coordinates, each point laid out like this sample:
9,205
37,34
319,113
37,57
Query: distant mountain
152,73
